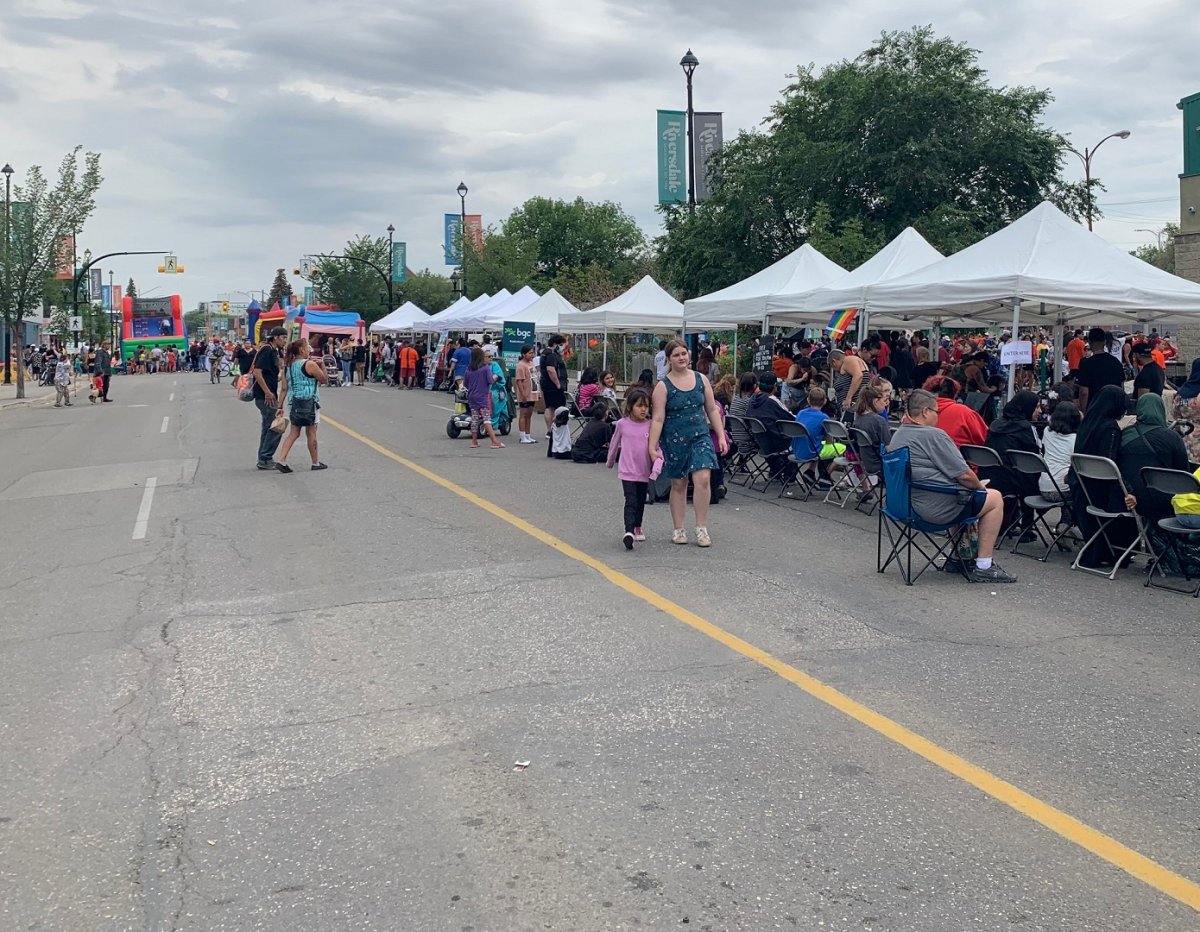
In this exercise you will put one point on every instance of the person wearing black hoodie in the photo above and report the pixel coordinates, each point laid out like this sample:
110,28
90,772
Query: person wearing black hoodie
1100,435
766,407
1013,430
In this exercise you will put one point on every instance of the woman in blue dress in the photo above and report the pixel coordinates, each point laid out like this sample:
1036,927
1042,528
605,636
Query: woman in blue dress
499,389
684,415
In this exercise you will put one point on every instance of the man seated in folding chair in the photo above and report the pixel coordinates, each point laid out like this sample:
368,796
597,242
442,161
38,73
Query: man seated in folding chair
935,460
766,407
815,444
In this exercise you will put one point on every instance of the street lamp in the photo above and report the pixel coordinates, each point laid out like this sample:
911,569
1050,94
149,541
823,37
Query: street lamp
8,170
454,287
1086,157
391,267
1157,234
462,230
689,63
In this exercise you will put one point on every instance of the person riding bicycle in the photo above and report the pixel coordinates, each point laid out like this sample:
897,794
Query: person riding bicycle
216,356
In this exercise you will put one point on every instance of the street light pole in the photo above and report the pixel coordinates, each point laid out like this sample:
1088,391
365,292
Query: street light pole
89,262
8,170
689,63
391,268
1157,234
462,231
1086,157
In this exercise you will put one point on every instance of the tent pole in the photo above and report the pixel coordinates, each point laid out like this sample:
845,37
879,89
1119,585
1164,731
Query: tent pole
864,323
604,356
735,375
1012,366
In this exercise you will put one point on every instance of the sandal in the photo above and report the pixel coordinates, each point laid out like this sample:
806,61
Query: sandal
497,446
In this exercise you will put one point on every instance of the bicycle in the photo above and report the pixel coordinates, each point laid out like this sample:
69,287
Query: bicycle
218,368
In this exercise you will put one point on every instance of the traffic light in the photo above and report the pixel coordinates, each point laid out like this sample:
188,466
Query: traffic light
224,307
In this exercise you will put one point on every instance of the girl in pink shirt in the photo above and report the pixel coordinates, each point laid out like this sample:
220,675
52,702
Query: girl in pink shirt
630,445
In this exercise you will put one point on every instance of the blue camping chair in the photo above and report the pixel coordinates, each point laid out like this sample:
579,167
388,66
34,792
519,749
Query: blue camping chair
907,531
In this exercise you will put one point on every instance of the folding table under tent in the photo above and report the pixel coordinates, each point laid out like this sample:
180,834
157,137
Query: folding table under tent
544,313
907,253
406,317
747,301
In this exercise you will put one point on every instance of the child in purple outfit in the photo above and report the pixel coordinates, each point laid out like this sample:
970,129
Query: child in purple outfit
630,444
478,382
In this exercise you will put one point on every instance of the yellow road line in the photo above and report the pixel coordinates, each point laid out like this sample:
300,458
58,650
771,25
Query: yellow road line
1135,864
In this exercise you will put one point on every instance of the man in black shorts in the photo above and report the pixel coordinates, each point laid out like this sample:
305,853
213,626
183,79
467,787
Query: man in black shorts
554,378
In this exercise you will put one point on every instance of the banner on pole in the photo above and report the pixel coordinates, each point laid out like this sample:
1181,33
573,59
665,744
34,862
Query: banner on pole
106,297
310,295
399,262
97,282
64,264
452,237
672,138
708,130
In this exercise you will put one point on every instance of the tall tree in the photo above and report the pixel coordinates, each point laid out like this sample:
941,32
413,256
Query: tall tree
131,289
281,290
427,290
354,285
578,246
909,133
39,219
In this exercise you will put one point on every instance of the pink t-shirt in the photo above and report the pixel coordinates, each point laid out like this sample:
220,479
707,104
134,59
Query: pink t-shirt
631,443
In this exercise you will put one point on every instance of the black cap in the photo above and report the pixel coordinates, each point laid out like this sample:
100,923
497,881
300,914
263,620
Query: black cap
276,332
1141,349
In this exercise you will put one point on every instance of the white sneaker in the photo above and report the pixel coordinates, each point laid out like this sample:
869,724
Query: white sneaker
679,536
528,439
702,538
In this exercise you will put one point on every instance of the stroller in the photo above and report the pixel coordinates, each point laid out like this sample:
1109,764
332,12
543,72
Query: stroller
333,369
460,420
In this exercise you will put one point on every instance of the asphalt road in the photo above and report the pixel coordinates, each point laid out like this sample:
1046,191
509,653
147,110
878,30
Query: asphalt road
296,702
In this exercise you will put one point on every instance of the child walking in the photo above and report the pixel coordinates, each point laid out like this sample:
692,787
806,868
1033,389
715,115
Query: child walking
630,444
478,382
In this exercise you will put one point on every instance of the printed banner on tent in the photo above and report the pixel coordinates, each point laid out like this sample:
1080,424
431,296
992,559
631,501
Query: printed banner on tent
451,239
65,263
708,129
840,322
516,334
1016,353
399,264
672,146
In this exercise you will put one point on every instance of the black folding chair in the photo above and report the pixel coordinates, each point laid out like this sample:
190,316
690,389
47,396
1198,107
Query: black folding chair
1032,464
1172,482
747,459
775,465
804,475
987,458
848,478
1101,469
906,530
871,488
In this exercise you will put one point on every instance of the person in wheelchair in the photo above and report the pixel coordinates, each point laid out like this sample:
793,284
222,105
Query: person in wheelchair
935,460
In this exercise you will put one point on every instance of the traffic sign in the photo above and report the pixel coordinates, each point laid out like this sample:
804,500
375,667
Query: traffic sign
76,324
170,264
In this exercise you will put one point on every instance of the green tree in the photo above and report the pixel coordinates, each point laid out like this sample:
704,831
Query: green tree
36,229
586,248
281,291
1161,253
355,286
909,133
427,290
131,289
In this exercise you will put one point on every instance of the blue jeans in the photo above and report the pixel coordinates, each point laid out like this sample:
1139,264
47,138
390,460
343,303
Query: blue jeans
347,370
268,440
1189,521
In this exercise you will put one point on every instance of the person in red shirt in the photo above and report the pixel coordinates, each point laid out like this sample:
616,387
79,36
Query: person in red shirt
408,366
963,424
1075,350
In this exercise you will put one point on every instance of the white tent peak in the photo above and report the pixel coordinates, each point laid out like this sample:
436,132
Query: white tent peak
1043,256
543,312
798,272
645,307
406,317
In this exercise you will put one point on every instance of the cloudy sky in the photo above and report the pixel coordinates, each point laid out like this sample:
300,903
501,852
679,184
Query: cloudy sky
243,134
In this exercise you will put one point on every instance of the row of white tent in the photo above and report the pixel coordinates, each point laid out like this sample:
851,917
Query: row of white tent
1043,258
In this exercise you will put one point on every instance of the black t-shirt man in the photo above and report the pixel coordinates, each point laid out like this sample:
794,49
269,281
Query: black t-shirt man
360,354
552,359
1100,369
245,359
267,362
1152,378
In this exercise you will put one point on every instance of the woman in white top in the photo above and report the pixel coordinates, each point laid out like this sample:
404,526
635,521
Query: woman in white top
1058,443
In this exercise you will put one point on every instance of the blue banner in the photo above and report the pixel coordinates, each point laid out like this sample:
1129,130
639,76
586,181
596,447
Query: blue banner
106,296
399,262
310,295
452,239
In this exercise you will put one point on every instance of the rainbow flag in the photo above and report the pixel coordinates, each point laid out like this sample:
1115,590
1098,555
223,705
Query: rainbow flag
840,322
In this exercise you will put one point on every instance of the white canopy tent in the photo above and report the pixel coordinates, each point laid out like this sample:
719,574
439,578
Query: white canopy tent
644,308
509,309
406,317
907,253
543,313
1047,258
469,316
456,307
748,300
